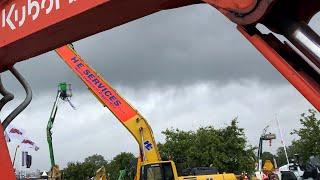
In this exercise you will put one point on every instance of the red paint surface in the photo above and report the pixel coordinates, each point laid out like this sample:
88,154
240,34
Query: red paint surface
233,5
71,23
308,87
121,109
58,10
6,169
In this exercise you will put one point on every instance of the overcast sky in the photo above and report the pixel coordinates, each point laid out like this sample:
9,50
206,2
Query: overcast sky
183,68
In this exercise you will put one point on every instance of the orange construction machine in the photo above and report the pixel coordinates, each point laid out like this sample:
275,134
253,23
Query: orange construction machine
32,27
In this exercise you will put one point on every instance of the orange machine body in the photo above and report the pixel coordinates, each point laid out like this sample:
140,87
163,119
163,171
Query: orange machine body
32,27
296,75
6,169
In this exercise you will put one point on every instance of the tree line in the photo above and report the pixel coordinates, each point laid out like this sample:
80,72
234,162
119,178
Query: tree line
225,149
86,169
307,143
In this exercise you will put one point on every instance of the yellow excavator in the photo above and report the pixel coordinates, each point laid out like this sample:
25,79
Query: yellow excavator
101,174
149,165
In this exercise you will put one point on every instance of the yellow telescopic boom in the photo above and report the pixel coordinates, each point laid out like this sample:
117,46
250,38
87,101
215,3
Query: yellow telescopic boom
109,97
149,166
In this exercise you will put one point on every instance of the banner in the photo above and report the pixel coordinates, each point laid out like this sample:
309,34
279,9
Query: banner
18,134
24,158
15,133
29,161
27,143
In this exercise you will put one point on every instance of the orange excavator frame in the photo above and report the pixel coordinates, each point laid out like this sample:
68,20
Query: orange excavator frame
6,170
309,88
32,27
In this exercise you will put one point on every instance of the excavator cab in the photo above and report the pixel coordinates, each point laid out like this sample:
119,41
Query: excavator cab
166,170
163,170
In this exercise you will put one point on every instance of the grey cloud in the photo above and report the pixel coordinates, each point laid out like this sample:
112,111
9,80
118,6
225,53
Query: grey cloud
170,48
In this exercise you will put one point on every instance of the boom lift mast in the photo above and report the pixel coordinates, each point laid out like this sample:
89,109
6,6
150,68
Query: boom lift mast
264,137
149,164
64,93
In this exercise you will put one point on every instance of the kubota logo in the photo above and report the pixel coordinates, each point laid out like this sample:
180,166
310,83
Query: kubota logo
14,17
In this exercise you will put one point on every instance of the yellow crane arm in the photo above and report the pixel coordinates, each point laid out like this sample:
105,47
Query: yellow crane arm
125,113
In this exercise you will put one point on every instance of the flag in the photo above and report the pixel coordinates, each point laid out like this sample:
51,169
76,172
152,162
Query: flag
28,161
27,143
15,133
18,134
24,157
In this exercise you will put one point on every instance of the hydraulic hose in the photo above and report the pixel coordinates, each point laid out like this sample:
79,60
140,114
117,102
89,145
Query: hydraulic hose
7,96
26,101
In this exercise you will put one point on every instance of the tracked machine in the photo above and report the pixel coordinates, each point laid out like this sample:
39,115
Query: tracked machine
32,27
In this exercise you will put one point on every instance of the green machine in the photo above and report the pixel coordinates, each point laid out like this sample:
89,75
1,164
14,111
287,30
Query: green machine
64,93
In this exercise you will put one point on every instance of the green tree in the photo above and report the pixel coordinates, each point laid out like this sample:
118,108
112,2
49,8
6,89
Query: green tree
96,160
77,170
123,161
225,148
308,143
177,145
238,155
281,156
267,156
84,170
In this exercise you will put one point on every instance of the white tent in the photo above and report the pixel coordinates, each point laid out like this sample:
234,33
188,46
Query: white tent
44,174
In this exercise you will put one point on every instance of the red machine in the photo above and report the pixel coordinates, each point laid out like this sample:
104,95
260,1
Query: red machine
32,27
